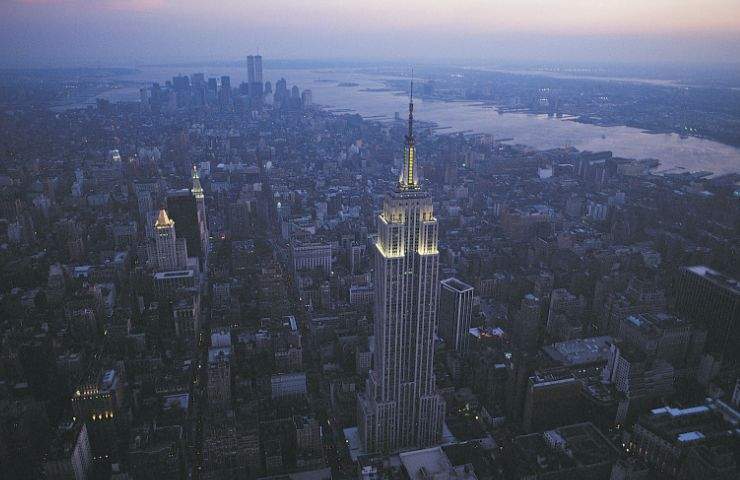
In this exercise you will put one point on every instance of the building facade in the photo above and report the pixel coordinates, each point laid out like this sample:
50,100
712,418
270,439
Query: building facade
167,252
219,369
713,300
400,407
309,256
455,312
69,456
254,75
288,385
187,209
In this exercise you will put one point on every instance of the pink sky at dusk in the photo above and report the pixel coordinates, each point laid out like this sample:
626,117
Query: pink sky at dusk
124,31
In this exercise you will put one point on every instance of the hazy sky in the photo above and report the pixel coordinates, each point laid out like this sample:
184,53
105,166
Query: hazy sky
126,32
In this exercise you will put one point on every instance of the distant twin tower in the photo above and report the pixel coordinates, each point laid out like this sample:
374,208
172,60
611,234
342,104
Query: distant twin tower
254,75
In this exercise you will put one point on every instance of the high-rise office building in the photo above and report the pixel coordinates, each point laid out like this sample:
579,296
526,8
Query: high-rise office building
226,83
254,75
187,209
401,407
200,204
224,94
565,315
528,324
307,98
526,338
642,380
250,69
455,312
713,300
69,455
167,252
258,69
198,79
182,210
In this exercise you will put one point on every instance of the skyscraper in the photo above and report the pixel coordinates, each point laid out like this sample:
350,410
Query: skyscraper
167,252
400,407
187,209
258,69
254,75
200,204
455,311
181,209
226,83
224,94
713,300
528,325
250,69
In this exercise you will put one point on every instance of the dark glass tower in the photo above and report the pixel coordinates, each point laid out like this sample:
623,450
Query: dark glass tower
187,209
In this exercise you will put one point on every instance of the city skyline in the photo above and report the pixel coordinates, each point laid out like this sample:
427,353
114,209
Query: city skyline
222,269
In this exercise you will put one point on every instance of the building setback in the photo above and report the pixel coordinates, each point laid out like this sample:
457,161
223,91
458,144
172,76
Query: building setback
401,407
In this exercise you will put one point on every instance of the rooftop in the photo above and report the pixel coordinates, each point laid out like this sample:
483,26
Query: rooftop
432,464
580,351
457,285
681,425
220,338
717,278
565,448
214,354
653,323
181,400
175,274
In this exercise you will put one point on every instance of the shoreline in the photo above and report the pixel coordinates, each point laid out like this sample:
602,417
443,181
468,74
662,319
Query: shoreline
130,90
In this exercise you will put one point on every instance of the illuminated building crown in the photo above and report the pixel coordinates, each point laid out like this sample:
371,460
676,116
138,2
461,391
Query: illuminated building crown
409,179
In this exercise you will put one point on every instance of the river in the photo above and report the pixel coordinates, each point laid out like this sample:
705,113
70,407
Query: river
370,99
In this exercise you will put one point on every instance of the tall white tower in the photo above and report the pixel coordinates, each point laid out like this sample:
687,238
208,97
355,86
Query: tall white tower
401,408
200,205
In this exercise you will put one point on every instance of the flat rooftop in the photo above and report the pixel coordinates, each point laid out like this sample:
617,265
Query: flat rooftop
580,351
654,323
220,338
457,285
182,400
563,449
175,274
215,353
717,278
427,463
681,425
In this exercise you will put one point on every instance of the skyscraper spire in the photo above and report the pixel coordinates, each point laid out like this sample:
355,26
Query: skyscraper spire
197,188
409,179
401,408
410,135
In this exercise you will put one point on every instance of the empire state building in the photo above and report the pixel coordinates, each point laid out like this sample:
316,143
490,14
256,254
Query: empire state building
400,408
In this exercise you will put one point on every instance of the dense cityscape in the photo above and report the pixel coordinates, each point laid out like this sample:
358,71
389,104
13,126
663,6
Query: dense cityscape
228,281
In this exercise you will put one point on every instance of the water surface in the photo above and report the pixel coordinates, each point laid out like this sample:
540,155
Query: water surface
370,99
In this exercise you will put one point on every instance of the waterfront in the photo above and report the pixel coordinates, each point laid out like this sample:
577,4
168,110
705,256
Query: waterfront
371,99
